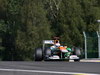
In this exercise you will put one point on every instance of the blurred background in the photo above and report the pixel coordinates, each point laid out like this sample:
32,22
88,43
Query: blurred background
24,24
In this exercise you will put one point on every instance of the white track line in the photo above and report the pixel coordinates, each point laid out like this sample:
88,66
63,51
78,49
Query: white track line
39,71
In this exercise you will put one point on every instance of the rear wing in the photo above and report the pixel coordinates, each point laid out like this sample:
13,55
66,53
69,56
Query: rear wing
47,42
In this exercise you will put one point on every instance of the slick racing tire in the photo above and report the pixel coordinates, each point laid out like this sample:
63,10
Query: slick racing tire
47,53
78,52
38,54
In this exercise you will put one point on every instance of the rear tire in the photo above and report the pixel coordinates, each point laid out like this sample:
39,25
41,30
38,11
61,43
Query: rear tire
38,54
78,52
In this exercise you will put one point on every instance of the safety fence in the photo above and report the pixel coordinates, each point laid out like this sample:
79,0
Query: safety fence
91,45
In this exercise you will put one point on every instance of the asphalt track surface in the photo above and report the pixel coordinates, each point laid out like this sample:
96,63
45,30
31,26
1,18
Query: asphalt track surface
49,68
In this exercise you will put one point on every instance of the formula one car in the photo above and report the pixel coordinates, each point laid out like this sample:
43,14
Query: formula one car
56,52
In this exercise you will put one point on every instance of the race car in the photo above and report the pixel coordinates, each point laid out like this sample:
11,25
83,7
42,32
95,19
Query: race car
56,52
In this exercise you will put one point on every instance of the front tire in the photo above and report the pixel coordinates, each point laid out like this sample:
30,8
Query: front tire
47,53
